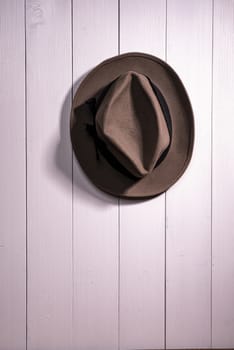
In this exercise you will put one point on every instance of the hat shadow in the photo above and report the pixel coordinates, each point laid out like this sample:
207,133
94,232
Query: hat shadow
65,161
70,171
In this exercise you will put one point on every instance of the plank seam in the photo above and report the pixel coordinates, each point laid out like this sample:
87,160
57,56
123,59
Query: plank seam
26,175
211,214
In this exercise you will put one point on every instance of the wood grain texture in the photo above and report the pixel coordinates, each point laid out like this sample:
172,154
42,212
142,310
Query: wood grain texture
223,174
95,38
96,271
49,78
189,48
142,224
12,177
143,26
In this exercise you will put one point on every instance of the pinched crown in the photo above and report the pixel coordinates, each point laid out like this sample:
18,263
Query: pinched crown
131,123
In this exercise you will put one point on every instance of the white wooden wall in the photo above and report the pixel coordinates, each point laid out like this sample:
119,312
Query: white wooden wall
80,269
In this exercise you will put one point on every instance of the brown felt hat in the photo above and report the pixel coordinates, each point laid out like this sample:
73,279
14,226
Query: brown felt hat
132,126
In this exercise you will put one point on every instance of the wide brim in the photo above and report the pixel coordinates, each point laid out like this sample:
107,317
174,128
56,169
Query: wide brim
97,168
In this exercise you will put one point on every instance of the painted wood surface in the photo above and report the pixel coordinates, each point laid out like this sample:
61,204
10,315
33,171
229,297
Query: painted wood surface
95,214
49,160
223,173
103,273
188,273
12,177
142,224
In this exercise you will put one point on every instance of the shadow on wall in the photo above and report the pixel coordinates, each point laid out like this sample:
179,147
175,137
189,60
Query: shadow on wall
63,157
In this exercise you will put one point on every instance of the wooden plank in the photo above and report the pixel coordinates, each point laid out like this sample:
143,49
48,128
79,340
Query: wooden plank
223,173
49,79
12,177
95,38
142,224
143,26
189,47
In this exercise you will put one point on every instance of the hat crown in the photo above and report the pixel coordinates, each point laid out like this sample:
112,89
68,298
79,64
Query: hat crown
131,123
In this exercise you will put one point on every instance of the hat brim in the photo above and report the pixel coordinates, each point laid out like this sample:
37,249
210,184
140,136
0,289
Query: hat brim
98,170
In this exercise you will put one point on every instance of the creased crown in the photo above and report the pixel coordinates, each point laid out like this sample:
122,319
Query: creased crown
131,123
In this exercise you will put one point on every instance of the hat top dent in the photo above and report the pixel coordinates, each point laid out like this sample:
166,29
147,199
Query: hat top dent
131,123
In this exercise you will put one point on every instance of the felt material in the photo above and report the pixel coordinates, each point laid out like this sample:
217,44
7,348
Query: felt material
131,123
132,126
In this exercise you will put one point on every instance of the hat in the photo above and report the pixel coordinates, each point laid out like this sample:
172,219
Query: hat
132,126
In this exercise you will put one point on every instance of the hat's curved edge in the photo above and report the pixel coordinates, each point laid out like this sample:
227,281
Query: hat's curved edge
192,129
